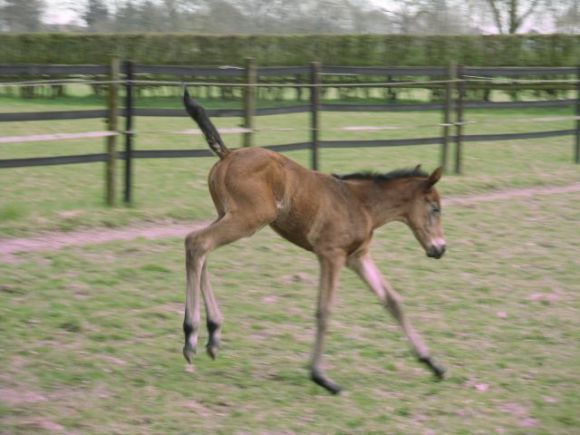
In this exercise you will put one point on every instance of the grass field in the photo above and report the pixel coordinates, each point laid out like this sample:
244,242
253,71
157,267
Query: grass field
68,197
91,336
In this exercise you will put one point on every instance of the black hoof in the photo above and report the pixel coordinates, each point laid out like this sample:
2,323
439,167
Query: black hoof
324,382
438,370
188,353
211,350
213,342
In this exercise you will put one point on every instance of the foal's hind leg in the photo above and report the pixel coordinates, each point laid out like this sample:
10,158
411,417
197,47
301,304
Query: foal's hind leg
370,274
197,246
213,314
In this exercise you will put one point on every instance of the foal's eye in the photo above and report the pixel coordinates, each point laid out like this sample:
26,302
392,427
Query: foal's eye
435,209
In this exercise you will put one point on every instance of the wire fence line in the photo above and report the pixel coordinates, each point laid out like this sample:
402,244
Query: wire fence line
239,130
451,83
55,82
466,79
197,132
38,83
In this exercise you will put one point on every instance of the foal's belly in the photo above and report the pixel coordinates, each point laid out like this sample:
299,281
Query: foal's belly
292,234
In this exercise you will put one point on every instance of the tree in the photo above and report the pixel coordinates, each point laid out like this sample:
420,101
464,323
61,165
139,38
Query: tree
148,16
126,19
406,15
510,15
566,15
223,17
22,16
95,14
172,13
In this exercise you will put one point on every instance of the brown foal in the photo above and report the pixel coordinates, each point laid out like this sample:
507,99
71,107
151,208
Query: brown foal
332,216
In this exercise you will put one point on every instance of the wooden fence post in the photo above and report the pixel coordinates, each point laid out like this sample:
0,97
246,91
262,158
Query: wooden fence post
447,109
250,101
112,121
577,145
314,113
459,120
128,191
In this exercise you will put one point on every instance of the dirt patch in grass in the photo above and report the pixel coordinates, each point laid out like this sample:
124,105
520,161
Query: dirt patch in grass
54,241
521,413
511,193
16,397
36,424
57,240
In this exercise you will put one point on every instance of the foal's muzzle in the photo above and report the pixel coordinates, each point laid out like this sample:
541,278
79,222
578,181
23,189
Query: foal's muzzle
436,251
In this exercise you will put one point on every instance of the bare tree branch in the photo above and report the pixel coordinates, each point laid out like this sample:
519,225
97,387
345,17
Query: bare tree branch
496,15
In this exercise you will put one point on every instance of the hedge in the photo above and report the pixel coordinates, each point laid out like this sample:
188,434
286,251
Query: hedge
362,50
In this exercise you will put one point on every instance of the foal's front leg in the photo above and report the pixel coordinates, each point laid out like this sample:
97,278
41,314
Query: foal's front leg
365,267
330,266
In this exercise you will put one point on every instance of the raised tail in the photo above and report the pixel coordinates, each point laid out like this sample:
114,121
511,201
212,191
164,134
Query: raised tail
209,131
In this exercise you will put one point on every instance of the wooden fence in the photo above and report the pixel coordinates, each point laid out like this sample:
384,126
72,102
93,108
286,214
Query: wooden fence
451,84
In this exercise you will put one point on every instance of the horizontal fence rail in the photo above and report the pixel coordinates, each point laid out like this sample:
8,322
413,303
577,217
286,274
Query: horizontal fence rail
517,104
282,71
519,71
380,107
189,71
385,71
41,70
56,137
53,116
512,136
453,85
52,161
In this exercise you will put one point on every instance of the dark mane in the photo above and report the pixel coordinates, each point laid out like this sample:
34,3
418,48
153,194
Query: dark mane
376,176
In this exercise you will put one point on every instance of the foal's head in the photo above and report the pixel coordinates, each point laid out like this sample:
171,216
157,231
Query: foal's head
424,215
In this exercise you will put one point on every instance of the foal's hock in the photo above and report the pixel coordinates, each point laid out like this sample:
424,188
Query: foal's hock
330,215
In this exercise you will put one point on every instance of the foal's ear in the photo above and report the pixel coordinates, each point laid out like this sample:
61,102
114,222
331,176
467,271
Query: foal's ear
418,167
434,177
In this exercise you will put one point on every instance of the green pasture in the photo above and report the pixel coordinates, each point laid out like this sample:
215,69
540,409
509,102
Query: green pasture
91,336
69,197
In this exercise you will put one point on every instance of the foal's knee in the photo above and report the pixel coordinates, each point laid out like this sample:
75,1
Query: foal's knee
191,241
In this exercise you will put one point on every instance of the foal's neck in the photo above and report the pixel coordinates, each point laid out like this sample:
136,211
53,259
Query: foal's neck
385,201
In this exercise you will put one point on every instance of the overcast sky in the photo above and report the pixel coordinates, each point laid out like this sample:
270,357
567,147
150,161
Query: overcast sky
61,12
67,11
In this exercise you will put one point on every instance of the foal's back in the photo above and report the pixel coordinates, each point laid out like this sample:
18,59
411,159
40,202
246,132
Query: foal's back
308,208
